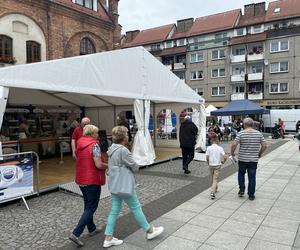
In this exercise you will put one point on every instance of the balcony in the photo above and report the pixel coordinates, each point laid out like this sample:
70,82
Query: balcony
237,96
255,96
215,43
255,76
179,66
238,78
238,58
255,57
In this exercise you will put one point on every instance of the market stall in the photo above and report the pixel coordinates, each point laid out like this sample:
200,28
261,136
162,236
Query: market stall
101,85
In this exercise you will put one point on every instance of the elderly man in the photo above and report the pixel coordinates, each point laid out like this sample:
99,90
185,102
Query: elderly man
78,132
187,136
252,146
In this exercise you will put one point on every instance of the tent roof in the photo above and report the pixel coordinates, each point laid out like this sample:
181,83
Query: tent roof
209,109
103,79
240,107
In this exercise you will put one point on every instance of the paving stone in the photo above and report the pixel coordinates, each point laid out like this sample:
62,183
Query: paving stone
218,212
181,215
247,217
281,223
209,247
177,243
194,233
207,221
265,245
239,228
228,240
275,235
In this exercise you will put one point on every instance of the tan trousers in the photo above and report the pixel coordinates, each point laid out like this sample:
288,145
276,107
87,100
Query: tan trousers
214,175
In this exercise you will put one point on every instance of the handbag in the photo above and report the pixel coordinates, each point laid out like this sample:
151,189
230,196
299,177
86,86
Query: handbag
121,181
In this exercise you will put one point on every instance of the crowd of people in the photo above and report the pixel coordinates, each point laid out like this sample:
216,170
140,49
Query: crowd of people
93,164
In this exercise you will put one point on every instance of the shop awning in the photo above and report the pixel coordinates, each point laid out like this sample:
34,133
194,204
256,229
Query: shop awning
103,79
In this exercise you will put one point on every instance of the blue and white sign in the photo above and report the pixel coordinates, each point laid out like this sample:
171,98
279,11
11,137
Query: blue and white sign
16,178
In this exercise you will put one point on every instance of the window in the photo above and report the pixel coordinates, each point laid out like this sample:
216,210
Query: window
279,67
279,88
85,3
155,47
218,73
197,57
257,68
195,75
239,89
257,29
218,91
33,52
277,10
86,46
238,70
220,35
239,32
181,42
6,55
279,46
239,51
169,44
218,54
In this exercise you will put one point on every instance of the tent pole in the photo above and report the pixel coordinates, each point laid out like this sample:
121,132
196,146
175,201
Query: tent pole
115,115
154,124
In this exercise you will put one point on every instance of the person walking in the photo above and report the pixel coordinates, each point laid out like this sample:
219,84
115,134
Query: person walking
119,155
90,176
282,127
252,146
215,157
78,133
187,136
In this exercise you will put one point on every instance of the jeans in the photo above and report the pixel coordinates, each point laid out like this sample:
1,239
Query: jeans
214,175
187,156
250,167
135,207
91,196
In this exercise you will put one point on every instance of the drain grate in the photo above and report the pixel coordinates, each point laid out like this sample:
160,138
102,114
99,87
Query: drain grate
74,188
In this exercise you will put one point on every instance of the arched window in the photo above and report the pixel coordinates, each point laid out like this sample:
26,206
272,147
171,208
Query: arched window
86,46
6,53
33,52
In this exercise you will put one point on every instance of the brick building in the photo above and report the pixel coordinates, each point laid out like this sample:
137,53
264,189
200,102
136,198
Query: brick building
38,30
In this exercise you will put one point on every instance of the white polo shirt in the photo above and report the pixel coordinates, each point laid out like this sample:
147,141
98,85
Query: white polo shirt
215,154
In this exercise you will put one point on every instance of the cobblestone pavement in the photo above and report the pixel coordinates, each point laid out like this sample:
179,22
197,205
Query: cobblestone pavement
52,216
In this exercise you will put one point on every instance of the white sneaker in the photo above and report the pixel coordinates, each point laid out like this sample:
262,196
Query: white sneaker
113,242
156,231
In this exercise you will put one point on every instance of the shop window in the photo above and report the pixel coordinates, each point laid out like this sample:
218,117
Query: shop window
279,67
86,46
166,125
33,52
193,113
277,88
6,53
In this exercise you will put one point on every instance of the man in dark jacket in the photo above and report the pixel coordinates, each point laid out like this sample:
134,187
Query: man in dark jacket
187,136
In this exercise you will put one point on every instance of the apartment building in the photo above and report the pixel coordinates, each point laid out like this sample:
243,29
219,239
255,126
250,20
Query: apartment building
233,55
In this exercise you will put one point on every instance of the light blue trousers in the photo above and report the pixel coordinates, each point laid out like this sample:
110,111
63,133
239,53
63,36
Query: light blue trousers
135,207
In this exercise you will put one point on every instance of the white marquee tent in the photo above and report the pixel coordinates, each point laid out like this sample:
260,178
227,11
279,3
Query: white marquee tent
105,79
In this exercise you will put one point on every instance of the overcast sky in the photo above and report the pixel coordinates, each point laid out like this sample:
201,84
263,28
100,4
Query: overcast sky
144,14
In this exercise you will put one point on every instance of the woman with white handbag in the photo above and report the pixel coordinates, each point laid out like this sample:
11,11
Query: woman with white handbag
122,187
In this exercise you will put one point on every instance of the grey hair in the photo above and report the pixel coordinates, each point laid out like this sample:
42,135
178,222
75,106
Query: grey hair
248,122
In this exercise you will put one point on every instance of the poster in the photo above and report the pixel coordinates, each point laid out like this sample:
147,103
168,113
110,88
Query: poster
16,177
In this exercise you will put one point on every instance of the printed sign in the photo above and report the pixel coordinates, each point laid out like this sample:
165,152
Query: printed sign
16,177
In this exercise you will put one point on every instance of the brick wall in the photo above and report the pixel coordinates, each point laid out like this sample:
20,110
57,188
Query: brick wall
64,27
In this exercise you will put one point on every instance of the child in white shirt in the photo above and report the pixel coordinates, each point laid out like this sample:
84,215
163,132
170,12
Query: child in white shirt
215,157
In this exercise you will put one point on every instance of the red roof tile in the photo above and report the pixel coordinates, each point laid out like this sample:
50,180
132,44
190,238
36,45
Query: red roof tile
101,13
216,22
244,21
288,8
153,35
248,39
180,35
